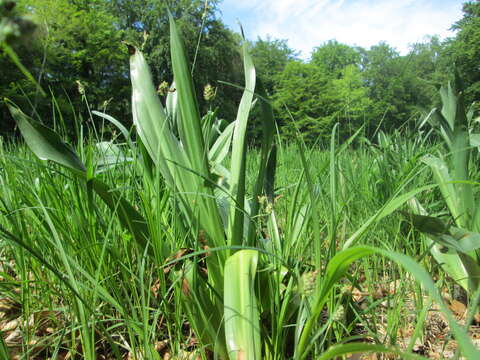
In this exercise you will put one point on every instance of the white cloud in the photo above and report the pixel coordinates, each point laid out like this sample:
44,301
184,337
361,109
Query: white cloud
309,23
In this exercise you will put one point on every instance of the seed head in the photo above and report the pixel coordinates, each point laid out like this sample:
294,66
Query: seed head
81,87
339,313
308,282
163,88
209,92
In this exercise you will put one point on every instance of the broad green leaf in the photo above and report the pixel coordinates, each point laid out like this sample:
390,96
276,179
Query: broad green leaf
458,239
470,261
192,138
475,140
199,198
108,155
459,161
268,158
442,177
221,147
148,114
270,172
449,104
205,315
467,240
118,125
428,224
239,152
448,242
299,223
242,318
449,261
453,109
45,143
439,123
130,218
150,121
182,173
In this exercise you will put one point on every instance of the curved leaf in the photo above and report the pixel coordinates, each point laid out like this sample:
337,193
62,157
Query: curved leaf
239,152
45,143
221,147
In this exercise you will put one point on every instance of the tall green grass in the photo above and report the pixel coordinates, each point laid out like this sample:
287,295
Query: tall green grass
185,235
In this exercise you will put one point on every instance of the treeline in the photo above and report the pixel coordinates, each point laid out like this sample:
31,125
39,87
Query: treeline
78,55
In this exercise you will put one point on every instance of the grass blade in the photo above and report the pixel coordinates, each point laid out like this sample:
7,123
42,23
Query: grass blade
47,145
4,353
338,267
361,348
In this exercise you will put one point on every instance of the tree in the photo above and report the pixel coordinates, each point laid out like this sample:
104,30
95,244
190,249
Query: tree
270,57
389,80
301,99
316,102
334,57
84,44
465,49
17,35
76,43
430,66
352,102
79,46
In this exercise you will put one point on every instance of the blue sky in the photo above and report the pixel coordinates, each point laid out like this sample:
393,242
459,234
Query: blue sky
309,23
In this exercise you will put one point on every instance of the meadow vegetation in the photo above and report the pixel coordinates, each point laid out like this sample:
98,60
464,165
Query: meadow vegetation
175,238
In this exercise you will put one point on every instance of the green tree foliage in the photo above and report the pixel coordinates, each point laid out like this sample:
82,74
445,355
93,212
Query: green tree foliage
300,98
334,57
270,57
210,46
17,32
431,66
310,101
465,49
13,26
80,42
83,44
391,81
74,42
352,101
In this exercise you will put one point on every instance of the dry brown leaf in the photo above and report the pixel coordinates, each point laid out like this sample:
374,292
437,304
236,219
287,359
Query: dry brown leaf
380,292
14,337
9,325
458,308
